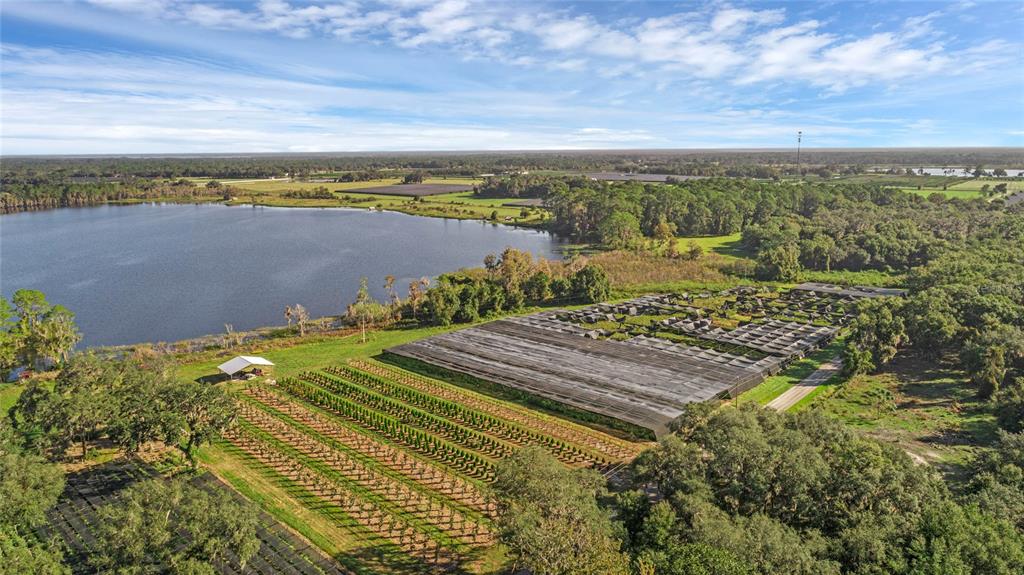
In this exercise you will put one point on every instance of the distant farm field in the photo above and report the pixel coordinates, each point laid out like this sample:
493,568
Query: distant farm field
967,189
416,190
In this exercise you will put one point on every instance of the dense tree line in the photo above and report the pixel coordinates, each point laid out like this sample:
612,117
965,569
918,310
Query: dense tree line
22,193
508,283
787,226
131,402
967,304
750,491
763,163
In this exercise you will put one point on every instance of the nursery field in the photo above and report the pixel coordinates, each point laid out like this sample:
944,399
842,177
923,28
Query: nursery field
387,470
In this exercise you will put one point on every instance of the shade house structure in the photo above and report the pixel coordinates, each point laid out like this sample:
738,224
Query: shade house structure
241,363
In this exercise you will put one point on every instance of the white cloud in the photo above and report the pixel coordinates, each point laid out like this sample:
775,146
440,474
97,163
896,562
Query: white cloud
740,44
735,20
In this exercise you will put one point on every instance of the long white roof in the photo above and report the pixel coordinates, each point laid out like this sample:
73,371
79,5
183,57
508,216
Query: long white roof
233,366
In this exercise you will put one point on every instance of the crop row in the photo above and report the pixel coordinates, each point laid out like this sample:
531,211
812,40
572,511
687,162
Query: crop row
471,418
427,444
405,499
366,513
409,415
422,471
612,447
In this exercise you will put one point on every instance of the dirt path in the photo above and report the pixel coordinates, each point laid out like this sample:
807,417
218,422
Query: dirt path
805,387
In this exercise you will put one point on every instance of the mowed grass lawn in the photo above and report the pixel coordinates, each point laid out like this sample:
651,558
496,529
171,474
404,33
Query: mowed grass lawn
319,352
729,246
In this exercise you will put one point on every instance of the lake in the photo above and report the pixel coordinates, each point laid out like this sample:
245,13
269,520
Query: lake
164,272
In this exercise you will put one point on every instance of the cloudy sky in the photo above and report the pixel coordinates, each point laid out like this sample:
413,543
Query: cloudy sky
173,76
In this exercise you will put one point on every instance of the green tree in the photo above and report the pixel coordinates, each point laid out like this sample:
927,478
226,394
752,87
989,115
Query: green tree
664,231
202,412
590,284
173,525
413,178
144,408
43,331
538,287
29,487
10,338
619,230
1009,407
366,311
442,303
878,329
549,517
779,263
693,250
76,410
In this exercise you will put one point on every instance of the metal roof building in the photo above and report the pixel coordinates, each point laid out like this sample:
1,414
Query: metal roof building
854,291
233,366
638,382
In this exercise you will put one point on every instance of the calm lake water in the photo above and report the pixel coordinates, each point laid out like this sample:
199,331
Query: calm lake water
168,272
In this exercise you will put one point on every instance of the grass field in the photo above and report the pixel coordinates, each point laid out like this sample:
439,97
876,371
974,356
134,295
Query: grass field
456,205
290,361
924,406
726,246
967,189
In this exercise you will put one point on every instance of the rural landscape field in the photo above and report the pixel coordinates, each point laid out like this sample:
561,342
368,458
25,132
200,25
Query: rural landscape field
380,287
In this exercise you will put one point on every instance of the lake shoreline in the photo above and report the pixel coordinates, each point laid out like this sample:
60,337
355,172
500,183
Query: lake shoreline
167,272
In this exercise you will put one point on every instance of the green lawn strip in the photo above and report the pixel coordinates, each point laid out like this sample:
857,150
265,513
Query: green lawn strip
393,408
464,416
364,429
468,198
356,489
310,355
455,206
368,461
875,278
9,394
778,384
384,555
947,193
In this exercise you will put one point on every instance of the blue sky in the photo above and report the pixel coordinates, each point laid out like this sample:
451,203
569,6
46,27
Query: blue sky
170,76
